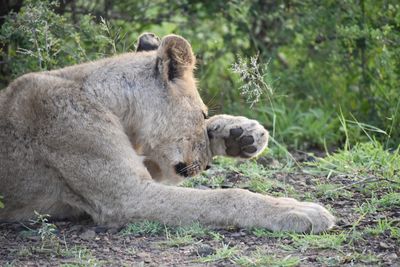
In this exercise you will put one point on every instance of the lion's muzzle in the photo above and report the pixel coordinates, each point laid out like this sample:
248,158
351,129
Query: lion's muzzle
187,170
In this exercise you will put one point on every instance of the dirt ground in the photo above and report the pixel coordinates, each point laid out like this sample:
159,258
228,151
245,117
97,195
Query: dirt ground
83,244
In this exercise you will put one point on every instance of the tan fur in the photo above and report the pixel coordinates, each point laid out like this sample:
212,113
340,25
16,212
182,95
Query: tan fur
78,140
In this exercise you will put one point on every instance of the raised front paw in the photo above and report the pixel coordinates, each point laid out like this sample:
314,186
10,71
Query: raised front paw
305,217
236,136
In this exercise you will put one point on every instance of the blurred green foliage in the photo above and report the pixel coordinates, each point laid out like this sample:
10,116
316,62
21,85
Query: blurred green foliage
332,64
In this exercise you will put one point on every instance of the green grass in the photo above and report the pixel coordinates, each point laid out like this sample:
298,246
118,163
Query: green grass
359,259
221,254
81,256
261,258
300,127
361,162
143,228
386,202
177,240
261,185
385,226
256,258
366,168
323,241
255,177
196,181
195,229
332,191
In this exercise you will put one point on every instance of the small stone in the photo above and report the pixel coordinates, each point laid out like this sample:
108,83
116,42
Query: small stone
311,159
88,235
392,256
76,228
384,245
143,255
309,181
275,164
287,241
33,238
312,258
113,230
100,229
227,185
237,234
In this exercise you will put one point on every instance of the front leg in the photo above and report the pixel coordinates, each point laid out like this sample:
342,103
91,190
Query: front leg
236,136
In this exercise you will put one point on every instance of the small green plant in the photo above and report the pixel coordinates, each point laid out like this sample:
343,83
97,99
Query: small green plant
82,256
1,202
177,239
353,258
221,254
24,251
46,231
332,191
260,185
195,230
143,228
261,258
386,202
324,241
384,226
195,181
216,236
361,161
254,78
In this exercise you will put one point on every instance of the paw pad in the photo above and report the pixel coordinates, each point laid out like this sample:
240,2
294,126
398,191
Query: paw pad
235,132
239,146
246,140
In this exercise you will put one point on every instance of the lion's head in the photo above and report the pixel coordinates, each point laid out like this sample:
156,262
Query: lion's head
172,130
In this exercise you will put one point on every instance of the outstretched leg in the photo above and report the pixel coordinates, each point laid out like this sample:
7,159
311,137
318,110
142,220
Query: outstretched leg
122,191
103,176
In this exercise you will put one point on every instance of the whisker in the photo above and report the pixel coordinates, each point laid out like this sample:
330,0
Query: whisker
214,110
210,102
186,168
190,167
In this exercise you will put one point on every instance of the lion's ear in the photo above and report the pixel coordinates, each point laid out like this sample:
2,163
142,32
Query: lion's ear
147,41
175,57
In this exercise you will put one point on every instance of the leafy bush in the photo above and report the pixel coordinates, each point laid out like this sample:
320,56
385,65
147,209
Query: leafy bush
37,39
326,61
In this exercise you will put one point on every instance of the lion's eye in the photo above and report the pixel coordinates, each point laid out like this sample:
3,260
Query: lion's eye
205,116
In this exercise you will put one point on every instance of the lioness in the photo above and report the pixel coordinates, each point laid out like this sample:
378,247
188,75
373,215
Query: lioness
106,137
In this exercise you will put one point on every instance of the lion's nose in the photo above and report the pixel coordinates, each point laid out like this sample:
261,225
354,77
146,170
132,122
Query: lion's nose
181,169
